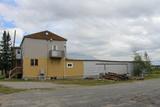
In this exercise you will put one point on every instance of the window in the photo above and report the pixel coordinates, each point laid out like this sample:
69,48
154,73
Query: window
55,47
69,65
34,62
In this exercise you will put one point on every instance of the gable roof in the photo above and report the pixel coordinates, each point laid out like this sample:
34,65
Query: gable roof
45,35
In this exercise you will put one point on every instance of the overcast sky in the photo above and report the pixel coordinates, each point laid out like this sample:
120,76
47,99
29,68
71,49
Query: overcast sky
104,29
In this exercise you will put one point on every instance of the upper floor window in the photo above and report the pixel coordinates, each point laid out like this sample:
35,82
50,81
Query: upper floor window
54,47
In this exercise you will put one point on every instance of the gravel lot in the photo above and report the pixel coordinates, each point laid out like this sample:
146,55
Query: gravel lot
137,94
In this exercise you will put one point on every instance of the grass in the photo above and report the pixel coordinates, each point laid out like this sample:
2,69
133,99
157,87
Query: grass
7,90
89,82
17,80
81,82
153,75
76,82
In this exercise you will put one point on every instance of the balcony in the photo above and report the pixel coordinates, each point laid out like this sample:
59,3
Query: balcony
56,54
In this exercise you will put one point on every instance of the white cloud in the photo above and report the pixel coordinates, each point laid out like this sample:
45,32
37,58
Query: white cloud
105,29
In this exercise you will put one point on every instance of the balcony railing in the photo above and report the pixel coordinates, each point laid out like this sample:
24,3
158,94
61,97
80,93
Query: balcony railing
56,54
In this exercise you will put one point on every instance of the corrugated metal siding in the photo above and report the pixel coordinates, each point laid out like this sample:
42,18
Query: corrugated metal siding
94,68
90,68
130,68
119,69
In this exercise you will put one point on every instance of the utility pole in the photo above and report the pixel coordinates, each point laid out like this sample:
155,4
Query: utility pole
14,39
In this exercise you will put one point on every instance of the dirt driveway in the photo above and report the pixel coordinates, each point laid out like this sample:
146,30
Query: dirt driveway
137,94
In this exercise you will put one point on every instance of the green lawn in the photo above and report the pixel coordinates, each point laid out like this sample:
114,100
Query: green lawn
89,82
153,75
7,90
74,81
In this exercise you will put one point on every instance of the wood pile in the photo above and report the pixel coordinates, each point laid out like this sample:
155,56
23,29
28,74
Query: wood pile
114,76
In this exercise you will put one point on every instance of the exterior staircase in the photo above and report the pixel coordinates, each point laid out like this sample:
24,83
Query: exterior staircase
15,72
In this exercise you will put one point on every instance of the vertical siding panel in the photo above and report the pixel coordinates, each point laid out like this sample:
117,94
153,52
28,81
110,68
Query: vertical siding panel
92,68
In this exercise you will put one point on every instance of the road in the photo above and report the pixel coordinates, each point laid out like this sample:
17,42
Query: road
136,94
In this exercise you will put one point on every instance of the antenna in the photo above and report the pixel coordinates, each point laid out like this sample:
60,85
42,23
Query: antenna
14,38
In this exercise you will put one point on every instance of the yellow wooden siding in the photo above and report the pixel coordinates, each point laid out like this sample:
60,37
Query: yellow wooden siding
53,68
76,71
33,71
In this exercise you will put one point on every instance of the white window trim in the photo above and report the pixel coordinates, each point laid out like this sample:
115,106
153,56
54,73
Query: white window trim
70,66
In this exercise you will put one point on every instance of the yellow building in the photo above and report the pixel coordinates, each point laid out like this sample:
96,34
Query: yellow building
43,56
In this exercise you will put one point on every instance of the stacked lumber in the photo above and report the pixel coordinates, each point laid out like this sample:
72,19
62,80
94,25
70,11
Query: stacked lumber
114,76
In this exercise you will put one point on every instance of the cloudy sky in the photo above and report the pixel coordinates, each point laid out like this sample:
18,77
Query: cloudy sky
101,29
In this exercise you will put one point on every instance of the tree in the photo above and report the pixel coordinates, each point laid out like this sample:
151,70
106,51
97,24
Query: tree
138,65
147,63
6,53
141,65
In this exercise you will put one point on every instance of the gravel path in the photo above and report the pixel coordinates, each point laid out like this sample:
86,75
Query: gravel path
137,94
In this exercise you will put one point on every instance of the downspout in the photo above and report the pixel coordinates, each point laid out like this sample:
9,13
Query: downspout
47,60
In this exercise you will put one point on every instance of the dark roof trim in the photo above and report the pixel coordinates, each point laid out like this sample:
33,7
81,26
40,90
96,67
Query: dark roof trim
97,60
46,35
123,63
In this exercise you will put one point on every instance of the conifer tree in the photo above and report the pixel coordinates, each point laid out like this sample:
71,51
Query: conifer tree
5,53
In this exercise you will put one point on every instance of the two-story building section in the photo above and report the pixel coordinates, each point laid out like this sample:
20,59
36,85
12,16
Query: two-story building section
44,54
